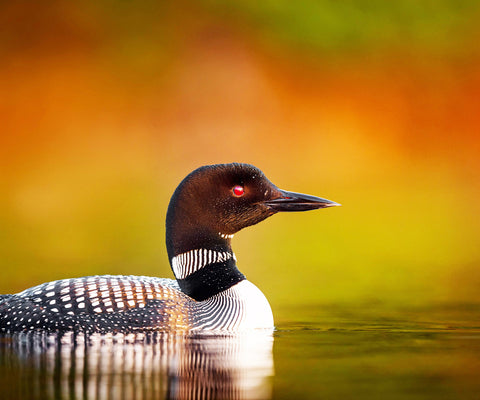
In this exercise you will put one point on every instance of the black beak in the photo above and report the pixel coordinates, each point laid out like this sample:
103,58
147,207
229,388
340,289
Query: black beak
291,201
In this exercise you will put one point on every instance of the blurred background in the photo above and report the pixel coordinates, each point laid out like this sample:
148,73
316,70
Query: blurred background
106,106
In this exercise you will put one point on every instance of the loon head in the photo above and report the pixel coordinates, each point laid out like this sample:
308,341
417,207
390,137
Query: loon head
215,201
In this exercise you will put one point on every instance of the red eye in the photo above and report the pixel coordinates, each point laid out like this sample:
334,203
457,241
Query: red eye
238,190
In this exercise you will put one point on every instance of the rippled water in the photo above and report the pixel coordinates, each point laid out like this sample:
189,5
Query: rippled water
318,352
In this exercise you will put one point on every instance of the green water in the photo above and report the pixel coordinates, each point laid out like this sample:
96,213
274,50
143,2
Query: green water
316,352
374,353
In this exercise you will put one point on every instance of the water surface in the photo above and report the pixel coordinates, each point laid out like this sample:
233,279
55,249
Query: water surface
319,352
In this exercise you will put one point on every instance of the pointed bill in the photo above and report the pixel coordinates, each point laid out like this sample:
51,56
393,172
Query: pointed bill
291,201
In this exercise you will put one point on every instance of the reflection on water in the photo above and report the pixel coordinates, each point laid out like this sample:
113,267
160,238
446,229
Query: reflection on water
328,352
136,366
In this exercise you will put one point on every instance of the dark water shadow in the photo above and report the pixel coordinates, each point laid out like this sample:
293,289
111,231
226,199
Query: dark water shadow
156,365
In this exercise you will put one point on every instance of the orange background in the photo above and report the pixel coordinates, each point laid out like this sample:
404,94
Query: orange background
105,107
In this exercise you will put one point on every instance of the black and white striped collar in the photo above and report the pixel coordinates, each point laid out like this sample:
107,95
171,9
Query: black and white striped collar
191,261
203,273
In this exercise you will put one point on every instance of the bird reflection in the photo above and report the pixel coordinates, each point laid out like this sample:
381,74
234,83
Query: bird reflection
137,366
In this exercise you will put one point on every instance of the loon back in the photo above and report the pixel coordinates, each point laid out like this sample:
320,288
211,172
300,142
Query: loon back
208,207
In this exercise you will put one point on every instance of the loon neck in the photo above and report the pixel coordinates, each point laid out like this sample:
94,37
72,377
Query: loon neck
203,273
203,262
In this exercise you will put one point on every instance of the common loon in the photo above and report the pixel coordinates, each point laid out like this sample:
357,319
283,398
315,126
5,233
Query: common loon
208,207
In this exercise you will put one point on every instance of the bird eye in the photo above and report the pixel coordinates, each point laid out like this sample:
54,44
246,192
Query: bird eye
238,190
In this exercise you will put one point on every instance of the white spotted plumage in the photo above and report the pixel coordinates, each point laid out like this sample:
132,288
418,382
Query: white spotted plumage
238,308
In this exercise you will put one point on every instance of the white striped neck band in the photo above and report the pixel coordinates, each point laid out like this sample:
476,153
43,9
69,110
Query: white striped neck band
225,235
187,263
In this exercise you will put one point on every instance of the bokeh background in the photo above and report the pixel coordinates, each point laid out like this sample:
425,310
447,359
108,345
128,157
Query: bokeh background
106,105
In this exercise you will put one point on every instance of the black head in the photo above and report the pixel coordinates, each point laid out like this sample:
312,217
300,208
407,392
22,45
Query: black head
216,201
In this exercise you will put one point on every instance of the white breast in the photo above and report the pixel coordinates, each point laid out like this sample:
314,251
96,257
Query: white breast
239,308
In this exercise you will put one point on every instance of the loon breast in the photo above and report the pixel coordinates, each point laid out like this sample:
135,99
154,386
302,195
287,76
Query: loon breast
208,207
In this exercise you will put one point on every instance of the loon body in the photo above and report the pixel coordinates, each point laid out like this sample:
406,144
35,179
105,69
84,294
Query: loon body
210,294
